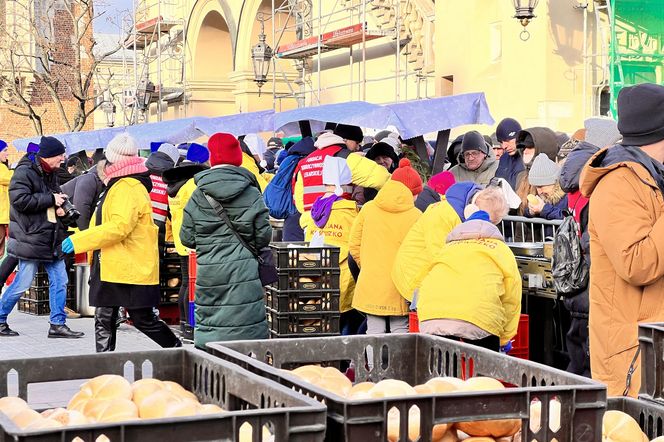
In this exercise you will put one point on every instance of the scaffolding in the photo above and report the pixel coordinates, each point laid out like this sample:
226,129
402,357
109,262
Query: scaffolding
157,36
401,24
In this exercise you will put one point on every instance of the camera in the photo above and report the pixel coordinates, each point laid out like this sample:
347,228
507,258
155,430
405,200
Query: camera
71,214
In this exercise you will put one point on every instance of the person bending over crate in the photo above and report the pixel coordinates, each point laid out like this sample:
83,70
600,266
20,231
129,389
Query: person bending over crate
332,215
472,289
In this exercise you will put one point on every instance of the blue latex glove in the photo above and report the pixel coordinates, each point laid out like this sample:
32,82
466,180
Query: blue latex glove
506,348
67,246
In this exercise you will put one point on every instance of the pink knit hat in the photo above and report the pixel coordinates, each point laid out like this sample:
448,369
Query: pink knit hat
441,182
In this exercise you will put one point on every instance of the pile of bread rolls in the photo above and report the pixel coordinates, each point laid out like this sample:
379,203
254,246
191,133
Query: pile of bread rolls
620,427
504,430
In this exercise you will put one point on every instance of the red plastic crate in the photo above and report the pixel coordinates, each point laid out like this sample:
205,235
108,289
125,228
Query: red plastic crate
192,287
521,344
413,323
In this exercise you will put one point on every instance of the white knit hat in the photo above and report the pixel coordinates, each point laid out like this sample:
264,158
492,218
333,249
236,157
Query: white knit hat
602,131
336,172
170,150
543,172
327,139
121,147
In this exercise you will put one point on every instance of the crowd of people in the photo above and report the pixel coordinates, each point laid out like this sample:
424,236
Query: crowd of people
408,240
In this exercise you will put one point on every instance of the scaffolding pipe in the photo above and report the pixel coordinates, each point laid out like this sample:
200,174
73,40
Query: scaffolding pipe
159,60
585,59
134,113
398,57
364,51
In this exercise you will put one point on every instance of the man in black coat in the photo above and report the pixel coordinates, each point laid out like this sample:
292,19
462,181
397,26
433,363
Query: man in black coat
36,234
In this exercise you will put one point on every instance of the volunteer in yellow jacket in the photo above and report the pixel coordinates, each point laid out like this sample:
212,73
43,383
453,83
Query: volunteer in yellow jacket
5,177
123,236
472,291
376,236
332,216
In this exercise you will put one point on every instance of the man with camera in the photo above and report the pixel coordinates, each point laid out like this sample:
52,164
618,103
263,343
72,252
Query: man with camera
37,228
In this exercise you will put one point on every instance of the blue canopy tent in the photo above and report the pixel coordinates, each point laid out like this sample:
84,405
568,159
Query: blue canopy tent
238,124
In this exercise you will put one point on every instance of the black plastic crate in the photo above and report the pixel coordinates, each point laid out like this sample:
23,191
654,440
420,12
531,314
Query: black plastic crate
38,294
651,341
249,398
308,279
303,323
32,307
649,415
298,255
275,335
416,358
41,280
307,301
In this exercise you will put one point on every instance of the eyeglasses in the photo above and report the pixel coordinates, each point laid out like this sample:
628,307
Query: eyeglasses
473,154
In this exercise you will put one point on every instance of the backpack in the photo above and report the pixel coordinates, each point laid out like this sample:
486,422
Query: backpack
278,194
569,267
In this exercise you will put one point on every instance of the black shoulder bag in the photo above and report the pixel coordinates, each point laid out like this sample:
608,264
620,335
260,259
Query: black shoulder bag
267,271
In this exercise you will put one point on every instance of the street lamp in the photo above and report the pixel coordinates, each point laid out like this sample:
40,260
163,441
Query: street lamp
261,55
144,94
109,111
525,12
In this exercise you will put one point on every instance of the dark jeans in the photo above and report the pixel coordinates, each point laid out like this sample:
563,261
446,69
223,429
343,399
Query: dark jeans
578,348
143,319
183,295
490,342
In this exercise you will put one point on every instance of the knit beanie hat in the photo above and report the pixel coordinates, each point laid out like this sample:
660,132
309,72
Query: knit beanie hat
601,131
275,143
50,147
408,176
224,149
170,150
3,145
474,140
336,173
440,182
641,114
327,139
197,153
120,147
348,132
507,129
33,148
543,172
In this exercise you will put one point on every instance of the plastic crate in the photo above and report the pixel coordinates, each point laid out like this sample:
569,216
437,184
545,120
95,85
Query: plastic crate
32,307
249,398
37,294
170,295
416,358
651,341
326,323
41,279
308,279
298,255
293,301
520,346
413,322
649,415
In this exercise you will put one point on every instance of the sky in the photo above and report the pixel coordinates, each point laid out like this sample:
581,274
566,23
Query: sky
113,11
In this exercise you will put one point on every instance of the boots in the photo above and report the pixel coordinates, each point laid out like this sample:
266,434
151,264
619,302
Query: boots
105,328
62,331
186,331
6,331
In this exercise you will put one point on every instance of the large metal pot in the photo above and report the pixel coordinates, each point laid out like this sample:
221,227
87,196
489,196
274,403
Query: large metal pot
532,249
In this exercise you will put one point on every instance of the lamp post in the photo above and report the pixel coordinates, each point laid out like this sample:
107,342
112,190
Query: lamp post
144,96
524,11
109,111
261,55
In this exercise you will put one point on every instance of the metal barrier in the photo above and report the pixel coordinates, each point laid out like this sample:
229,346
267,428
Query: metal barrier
533,230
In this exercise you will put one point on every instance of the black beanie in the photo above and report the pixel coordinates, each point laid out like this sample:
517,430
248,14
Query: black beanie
641,114
50,147
474,140
347,132
507,129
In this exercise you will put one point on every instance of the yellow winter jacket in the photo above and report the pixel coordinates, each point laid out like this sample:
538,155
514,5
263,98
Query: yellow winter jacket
177,205
364,172
377,233
421,244
337,233
127,236
249,163
474,278
5,177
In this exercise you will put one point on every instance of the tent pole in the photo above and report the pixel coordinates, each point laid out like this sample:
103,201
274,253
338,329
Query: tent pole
440,152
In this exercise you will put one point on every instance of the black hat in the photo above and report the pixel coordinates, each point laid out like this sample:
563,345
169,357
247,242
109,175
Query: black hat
453,150
50,147
507,129
347,132
275,143
474,140
383,149
641,114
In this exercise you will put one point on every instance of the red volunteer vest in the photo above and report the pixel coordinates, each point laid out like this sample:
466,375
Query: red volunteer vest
311,168
159,199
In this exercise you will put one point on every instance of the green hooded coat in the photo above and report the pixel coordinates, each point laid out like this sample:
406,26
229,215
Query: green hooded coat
229,294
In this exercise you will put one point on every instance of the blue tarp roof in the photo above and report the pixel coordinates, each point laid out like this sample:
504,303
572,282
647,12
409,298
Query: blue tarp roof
411,119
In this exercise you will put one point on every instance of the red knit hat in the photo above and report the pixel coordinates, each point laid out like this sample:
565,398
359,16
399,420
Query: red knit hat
408,176
224,149
440,182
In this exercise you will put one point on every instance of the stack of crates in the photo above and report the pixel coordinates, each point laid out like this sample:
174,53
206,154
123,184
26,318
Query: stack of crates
170,276
305,300
35,300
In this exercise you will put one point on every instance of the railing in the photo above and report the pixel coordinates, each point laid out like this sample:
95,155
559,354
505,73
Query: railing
533,230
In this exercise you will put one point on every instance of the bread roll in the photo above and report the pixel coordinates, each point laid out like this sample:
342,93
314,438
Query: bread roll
308,373
492,428
620,427
111,410
11,405
179,390
210,409
659,439
532,199
102,438
391,388
65,417
44,424
480,439
449,436
144,388
394,424
79,400
182,408
361,390
424,389
108,386
26,417
445,384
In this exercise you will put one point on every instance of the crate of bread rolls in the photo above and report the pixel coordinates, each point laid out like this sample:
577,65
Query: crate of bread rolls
298,255
303,324
173,394
628,419
404,387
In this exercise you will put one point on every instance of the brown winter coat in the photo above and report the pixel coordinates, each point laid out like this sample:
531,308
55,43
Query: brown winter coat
627,272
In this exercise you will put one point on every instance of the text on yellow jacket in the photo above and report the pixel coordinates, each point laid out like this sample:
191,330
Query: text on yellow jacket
474,278
126,237
5,178
423,241
377,233
177,205
337,233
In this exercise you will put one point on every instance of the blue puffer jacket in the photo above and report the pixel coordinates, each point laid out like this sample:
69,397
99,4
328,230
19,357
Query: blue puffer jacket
509,168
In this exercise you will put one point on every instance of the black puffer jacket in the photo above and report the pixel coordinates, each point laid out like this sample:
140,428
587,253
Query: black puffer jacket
427,197
32,236
84,191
